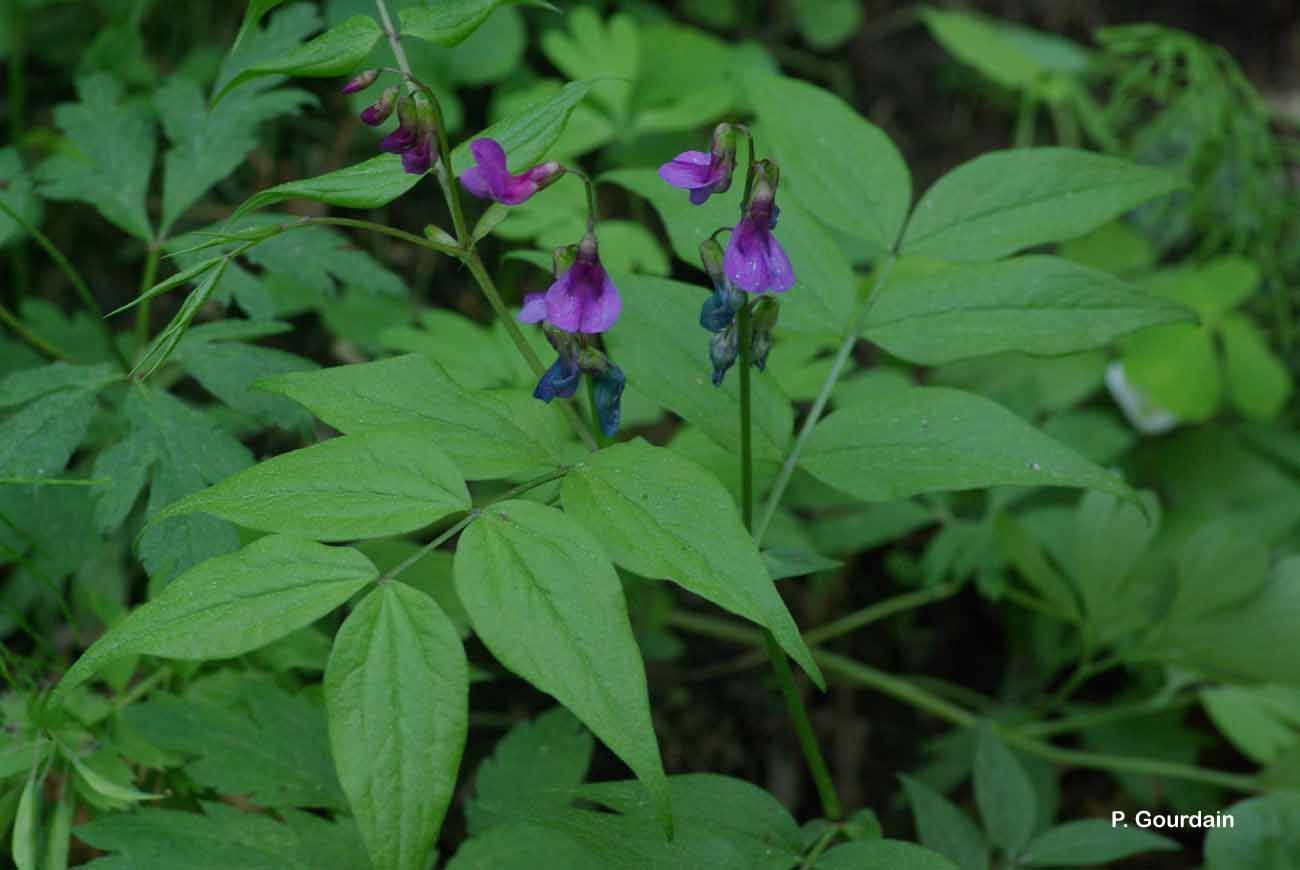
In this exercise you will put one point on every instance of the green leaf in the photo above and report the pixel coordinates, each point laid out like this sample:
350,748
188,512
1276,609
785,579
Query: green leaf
449,22
58,837
1003,793
397,691
368,184
838,165
1263,835
666,356
228,369
1219,549
528,135
985,45
783,562
1005,201
488,434
253,15
285,32
543,597
18,192
882,855
1034,304
209,144
532,769
1088,842
165,341
825,24
231,605
103,785
24,845
222,836
109,154
336,52
1257,381
820,303
354,486
661,516
273,747
943,827
606,52
39,439
1262,721
1177,367
912,440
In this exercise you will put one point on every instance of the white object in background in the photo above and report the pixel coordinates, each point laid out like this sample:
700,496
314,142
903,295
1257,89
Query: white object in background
1146,416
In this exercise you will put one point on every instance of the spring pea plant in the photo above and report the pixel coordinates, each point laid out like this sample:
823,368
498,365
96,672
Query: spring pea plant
489,491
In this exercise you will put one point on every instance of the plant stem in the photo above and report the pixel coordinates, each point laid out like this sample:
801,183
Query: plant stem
908,693
394,40
880,610
1094,718
819,404
601,440
8,318
146,281
822,844
812,753
383,229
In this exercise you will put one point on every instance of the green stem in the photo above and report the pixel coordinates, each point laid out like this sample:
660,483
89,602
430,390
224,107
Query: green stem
590,187
386,230
812,753
878,611
601,440
9,319
823,843
908,693
819,404
1108,716
74,277
146,281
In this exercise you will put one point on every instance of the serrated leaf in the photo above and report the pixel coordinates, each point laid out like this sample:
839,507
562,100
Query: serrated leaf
666,356
256,10
1033,304
18,192
449,22
397,692
911,440
1089,842
837,164
39,439
488,434
336,52
368,184
663,517
354,486
111,155
1006,201
533,768
607,52
231,605
1003,793
544,598
228,369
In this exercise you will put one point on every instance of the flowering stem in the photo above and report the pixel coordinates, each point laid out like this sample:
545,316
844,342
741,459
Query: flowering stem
819,404
146,281
591,196
394,39
780,667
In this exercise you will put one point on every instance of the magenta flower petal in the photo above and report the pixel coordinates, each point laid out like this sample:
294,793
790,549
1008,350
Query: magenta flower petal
600,313
755,261
687,170
563,303
534,310
472,180
490,179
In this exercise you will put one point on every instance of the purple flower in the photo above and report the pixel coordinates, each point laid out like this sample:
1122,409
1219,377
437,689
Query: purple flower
413,138
378,112
561,379
490,179
754,260
583,299
704,174
361,82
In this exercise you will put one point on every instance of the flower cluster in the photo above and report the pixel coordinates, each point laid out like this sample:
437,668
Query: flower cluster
753,262
417,121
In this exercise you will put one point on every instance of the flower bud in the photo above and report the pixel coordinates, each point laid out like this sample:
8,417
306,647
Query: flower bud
378,112
766,311
724,346
361,82
607,394
561,380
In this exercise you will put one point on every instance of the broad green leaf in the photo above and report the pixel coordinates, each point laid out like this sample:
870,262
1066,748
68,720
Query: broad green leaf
1003,793
985,45
1089,842
662,516
368,184
24,841
231,605
253,15
209,144
783,562
1205,560
1005,201
397,691
488,434
1033,304
1262,836
827,23
1262,721
1177,367
228,369
283,34
528,135
821,301
534,767
18,192
273,747
109,154
663,351
336,52
544,598
607,52
449,22
912,440
517,845
39,439
222,836
943,827
354,486
882,855
838,165
1257,381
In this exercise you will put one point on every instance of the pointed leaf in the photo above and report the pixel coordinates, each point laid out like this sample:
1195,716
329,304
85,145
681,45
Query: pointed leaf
527,136
450,22
336,52
943,827
1090,842
1003,793
368,184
